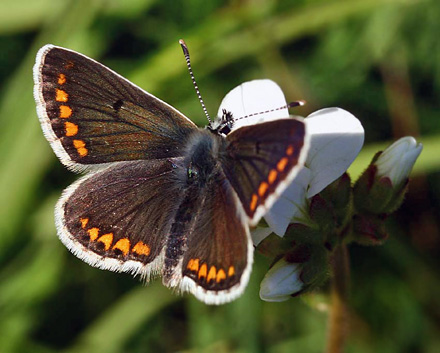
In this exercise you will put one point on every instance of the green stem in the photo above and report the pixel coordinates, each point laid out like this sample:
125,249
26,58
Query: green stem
338,319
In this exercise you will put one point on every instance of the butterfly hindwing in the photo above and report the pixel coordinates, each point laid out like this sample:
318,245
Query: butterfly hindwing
118,218
262,159
216,264
92,116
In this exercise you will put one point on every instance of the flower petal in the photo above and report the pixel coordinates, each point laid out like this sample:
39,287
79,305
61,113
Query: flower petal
336,138
291,205
281,281
254,97
259,234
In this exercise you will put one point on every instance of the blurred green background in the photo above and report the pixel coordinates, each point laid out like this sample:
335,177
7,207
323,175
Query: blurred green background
379,59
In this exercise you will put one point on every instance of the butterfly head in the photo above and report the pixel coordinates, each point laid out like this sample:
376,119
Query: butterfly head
222,125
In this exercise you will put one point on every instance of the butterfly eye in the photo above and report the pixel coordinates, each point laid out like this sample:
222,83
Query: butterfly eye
192,173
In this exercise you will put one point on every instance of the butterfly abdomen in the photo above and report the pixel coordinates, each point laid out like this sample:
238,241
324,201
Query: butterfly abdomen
182,220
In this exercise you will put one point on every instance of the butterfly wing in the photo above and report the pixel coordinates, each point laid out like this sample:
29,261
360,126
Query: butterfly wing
217,262
261,161
92,116
117,218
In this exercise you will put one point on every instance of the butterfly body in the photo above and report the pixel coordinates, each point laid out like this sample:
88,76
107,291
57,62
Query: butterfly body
161,196
197,174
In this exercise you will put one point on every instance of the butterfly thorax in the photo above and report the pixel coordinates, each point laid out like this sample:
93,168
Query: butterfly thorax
201,160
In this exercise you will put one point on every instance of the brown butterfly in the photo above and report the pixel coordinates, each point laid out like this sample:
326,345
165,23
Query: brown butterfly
161,196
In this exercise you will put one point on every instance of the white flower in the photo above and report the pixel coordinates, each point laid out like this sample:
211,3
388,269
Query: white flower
336,137
281,281
292,205
254,97
397,161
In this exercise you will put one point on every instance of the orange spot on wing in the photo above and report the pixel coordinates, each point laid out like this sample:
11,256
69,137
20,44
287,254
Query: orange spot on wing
141,248
290,150
263,188
65,111
69,65
107,240
231,271
203,271
282,164
221,275
212,273
123,245
84,222
61,96
61,79
272,176
82,152
254,202
193,265
93,233
80,147
71,128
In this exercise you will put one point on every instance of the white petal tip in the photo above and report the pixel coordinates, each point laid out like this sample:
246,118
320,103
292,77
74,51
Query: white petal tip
397,161
337,137
256,100
259,234
281,281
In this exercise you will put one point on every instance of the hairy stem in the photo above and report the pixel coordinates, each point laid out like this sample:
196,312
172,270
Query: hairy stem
338,319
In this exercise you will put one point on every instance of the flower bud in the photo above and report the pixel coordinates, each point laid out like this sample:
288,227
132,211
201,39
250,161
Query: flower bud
338,194
281,281
370,193
302,269
298,233
369,230
322,213
381,188
397,161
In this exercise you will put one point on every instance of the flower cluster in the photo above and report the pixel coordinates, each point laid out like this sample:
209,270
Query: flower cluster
321,209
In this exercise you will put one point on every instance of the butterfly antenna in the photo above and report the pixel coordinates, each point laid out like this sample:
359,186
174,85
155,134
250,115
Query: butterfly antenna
188,63
288,105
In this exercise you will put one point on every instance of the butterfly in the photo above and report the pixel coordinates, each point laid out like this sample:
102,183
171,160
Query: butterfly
160,196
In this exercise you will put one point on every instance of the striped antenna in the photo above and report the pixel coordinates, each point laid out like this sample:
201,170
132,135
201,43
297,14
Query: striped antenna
289,105
188,63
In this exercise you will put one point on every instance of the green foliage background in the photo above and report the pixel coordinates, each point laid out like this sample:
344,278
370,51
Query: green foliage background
379,59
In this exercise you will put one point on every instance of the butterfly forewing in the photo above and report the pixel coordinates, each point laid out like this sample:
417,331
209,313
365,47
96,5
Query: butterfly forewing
118,218
262,159
91,115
